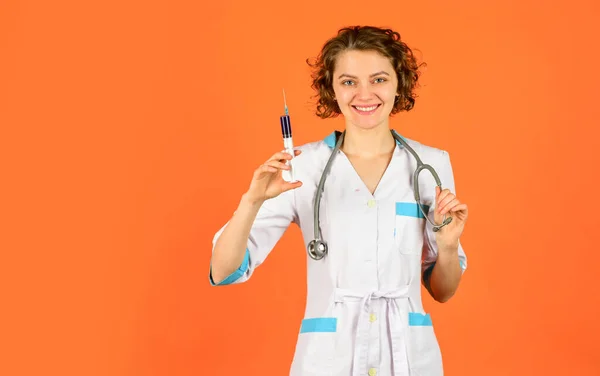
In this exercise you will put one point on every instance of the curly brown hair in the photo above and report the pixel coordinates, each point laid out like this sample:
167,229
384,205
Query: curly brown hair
364,38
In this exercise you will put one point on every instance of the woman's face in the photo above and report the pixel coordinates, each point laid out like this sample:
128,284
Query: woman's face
365,86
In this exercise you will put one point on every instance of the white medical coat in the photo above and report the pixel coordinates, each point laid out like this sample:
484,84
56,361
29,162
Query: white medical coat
364,314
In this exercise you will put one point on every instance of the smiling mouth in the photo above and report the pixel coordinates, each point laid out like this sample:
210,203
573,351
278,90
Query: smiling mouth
366,110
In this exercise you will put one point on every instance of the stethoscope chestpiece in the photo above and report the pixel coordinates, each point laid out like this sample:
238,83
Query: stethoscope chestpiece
317,249
446,221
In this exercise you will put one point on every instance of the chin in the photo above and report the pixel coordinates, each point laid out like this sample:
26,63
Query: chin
366,125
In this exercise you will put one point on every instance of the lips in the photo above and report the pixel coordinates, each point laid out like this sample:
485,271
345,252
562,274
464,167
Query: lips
366,109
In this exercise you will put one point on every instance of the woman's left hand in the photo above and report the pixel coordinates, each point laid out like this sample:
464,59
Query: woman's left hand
447,204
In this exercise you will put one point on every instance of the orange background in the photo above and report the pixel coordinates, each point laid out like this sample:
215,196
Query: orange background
129,130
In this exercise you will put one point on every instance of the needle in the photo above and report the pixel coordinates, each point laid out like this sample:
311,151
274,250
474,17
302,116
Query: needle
285,103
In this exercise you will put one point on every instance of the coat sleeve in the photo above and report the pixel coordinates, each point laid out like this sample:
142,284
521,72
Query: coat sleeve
272,220
430,248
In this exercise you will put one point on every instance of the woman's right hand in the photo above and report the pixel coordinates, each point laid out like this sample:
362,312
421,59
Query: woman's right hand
267,181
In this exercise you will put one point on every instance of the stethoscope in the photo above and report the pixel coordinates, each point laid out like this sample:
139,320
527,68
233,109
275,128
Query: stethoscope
317,248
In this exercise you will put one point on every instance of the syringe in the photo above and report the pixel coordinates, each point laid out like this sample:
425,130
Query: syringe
286,131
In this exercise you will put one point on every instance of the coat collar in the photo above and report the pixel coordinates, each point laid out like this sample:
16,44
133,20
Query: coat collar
333,136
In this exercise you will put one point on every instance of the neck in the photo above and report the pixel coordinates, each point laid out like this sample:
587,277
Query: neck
368,142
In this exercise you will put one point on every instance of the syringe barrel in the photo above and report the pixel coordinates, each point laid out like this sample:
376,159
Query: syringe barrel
286,126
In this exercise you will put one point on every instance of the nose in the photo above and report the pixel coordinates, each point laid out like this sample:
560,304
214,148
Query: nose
364,92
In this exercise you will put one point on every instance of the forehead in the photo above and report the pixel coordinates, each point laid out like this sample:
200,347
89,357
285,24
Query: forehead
362,62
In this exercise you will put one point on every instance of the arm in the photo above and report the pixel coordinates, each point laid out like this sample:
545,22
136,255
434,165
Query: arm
230,247
443,278
264,213
248,238
444,258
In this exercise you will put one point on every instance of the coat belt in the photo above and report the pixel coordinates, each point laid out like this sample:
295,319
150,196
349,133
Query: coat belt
397,315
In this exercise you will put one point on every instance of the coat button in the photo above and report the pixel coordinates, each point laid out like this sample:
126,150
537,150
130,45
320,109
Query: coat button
371,203
372,372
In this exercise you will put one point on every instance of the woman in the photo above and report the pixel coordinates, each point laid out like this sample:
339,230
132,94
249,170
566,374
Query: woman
364,314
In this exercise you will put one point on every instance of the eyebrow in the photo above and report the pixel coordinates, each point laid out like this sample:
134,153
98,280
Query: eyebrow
373,75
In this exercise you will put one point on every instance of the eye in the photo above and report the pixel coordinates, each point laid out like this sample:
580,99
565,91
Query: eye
347,82
380,79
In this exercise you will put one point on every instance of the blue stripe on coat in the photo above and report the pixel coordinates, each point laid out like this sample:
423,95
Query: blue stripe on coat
319,324
410,209
236,274
419,319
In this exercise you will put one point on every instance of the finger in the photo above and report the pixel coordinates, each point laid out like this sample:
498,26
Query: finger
279,156
286,186
445,198
459,207
448,205
442,195
278,165
289,156
283,155
443,202
264,169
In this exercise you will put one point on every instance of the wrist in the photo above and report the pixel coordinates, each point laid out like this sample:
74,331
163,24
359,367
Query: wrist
251,201
449,249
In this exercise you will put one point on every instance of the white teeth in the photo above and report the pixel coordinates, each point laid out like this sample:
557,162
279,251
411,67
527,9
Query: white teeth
366,108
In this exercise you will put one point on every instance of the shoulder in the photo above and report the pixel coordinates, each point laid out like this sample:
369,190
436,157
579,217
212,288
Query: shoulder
318,151
439,159
429,154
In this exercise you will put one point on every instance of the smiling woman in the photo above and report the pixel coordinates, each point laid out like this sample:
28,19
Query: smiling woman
379,44
374,242
363,97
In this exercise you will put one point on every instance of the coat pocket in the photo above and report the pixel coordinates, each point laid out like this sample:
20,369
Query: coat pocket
424,352
409,227
317,345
